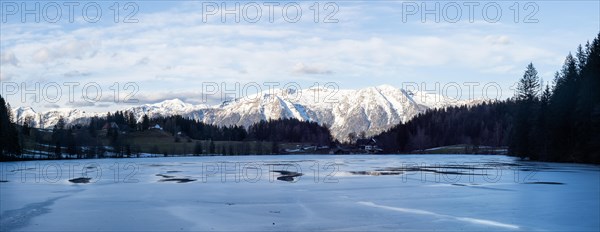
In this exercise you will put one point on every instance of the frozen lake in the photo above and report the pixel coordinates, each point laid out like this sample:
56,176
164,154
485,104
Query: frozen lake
300,192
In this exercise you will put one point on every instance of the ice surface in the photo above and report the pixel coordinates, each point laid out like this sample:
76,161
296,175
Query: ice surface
340,193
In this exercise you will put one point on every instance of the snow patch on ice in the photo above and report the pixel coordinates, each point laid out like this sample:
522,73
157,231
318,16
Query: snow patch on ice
424,212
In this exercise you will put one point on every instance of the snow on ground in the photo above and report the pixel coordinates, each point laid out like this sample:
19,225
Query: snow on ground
308,192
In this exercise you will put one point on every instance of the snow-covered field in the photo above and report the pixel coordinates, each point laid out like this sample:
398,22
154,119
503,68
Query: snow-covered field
304,192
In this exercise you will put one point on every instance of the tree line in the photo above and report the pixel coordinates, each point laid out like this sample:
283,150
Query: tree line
171,124
290,130
9,135
561,122
112,133
486,124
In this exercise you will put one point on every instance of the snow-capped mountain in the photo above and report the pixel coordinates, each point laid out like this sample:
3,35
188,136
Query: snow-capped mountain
49,118
166,108
370,110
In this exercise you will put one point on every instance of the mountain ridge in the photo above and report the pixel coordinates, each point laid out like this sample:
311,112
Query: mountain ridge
370,110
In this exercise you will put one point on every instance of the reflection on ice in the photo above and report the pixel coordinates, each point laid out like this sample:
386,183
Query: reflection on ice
287,175
80,180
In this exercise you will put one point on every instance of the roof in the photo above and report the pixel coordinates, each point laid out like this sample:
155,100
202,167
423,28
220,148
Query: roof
110,125
366,141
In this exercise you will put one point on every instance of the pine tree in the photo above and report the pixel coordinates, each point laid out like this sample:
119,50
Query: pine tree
128,150
246,148
540,131
92,127
131,120
71,144
529,86
258,148
4,124
526,96
155,150
145,122
231,150
10,144
211,148
562,106
586,126
57,150
581,58
198,148
274,147
27,124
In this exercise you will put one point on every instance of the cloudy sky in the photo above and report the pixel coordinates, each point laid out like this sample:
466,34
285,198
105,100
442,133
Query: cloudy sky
161,50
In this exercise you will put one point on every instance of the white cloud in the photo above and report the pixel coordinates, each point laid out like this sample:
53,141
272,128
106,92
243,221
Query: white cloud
9,58
77,104
143,61
42,55
76,73
232,52
194,97
5,77
301,69
62,48
52,106
498,40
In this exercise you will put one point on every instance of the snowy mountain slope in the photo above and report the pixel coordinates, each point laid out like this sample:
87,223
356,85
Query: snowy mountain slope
370,110
49,118
166,108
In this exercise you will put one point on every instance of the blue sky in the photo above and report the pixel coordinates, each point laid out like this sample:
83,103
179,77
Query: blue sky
176,46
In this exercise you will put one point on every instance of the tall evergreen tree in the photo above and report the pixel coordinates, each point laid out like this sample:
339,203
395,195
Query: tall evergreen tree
10,142
587,109
274,147
526,96
528,87
4,124
71,144
198,148
562,106
131,121
540,130
211,148
57,150
145,122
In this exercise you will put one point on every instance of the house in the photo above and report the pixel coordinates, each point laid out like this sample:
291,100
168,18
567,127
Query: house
340,150
368,145
110,125
155,127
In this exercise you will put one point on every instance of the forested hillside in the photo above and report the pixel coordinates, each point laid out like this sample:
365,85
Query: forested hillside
562,122
487,124
119,134
553,122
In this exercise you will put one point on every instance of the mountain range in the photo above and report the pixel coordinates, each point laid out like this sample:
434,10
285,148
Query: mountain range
370,110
